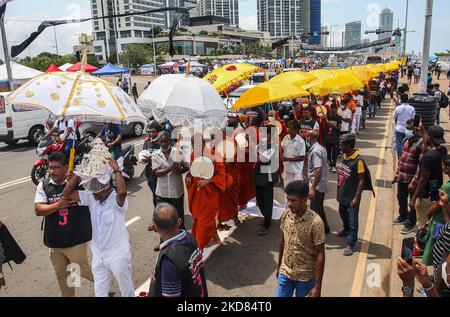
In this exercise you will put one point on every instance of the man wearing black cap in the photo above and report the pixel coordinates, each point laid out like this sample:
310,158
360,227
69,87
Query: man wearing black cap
430,174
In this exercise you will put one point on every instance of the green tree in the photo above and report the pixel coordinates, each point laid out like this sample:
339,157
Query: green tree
69,58
92,59
136,54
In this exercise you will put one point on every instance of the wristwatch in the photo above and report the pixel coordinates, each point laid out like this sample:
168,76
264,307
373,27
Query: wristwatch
407,291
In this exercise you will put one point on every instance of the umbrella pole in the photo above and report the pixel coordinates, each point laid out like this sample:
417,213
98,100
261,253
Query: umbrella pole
72,156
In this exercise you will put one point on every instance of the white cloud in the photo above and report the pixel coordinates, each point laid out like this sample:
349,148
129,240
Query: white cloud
249,23
19,27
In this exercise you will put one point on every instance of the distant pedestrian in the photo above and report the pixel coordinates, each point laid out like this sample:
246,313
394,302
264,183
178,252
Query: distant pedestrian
301,259
125,86
402,114
134,92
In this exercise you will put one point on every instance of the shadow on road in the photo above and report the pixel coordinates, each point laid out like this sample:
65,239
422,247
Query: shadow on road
20,147
245,259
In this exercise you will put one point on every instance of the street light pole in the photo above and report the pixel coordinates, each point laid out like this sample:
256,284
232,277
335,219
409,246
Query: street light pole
6,53
426,47
154,50
56,41
406,28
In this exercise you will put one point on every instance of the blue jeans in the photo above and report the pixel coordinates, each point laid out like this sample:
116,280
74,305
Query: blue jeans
373,108
438,115
152,185
350,219
69,144
399,137
286,286
116,153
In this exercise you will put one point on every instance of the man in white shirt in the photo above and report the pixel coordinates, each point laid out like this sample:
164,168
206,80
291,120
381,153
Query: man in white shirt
402,114
66,131
169,172
294,152
347,117
111,255
356,123
417,72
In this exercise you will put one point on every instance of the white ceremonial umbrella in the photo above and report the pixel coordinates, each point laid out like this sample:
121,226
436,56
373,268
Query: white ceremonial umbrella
184,101
79,96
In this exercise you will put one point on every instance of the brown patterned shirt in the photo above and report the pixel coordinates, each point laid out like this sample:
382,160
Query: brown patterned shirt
301,236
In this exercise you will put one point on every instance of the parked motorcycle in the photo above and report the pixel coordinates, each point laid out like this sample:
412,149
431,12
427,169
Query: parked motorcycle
128,161
47,147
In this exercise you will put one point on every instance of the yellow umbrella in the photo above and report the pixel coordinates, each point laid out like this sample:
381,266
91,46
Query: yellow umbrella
359,76
297,78
321,73
337,83
230,74
269,92
369,71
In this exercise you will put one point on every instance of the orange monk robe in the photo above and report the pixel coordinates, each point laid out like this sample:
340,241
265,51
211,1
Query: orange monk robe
229,199
246,186
204,205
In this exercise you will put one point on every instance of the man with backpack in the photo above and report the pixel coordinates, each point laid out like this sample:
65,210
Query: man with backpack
443,102
66,130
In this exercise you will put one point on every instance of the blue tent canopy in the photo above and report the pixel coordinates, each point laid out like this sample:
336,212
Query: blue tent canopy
432,59
110,69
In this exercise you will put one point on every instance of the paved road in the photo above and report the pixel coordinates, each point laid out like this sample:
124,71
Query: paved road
244,265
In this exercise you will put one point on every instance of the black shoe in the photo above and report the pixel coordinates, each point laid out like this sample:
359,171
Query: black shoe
407,229
156,249
327,230
264,231
342,233
399,221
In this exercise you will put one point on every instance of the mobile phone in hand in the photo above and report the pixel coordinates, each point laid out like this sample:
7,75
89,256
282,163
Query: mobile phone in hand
407,249
417,119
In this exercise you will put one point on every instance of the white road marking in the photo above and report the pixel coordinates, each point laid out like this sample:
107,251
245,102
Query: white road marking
138,143
131,221
15,182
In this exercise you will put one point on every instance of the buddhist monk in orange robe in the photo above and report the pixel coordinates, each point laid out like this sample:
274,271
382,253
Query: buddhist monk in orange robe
203,200
229,199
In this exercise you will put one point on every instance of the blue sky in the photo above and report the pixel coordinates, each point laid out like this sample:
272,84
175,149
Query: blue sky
339,12
23,17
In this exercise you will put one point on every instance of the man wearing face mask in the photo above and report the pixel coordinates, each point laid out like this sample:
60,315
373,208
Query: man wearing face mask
430,176
408,165
110,246
402,114
151,144
347,117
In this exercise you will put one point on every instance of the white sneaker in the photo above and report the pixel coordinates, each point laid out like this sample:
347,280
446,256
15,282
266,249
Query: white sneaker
333,170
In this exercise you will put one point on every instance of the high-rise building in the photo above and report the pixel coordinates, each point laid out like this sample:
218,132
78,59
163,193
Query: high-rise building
352,33
283,18
386,23
324,38
228,9
113,34
315,21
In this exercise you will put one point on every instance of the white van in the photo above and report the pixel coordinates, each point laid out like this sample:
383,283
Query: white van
19,122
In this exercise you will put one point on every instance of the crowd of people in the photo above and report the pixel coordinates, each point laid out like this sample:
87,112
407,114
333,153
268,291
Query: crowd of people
296,148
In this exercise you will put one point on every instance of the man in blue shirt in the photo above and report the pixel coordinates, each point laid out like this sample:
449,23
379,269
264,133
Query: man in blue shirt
111,134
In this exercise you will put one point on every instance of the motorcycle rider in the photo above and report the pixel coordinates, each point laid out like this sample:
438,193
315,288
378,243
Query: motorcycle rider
111,134
65,128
